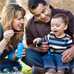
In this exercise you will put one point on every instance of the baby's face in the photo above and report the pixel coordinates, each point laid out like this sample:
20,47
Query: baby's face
58,26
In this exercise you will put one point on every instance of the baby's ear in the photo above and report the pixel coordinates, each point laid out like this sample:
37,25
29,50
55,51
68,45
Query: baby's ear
66,26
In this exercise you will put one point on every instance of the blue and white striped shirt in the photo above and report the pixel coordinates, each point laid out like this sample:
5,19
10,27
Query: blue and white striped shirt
58,44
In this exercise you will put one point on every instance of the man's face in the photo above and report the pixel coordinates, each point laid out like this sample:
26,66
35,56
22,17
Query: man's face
42,13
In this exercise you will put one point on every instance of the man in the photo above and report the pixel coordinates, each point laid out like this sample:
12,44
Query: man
39,26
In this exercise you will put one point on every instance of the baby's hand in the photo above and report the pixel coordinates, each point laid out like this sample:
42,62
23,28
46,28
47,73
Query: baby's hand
36,40
8,34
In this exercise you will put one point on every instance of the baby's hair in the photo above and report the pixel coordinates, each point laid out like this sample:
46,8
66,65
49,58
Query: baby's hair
64,17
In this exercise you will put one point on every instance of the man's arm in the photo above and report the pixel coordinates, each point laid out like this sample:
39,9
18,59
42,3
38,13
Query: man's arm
29,40
68,55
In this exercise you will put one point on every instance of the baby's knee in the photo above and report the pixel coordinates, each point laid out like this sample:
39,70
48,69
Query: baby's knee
60,72
51,71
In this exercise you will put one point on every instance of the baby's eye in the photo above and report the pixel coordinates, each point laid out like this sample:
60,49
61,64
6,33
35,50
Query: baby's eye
57,25
52,25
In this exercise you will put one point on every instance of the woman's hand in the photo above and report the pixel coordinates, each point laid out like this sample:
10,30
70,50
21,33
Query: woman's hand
68,55
8,34
24,52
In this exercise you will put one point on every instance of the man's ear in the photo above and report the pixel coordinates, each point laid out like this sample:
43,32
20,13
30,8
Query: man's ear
66,26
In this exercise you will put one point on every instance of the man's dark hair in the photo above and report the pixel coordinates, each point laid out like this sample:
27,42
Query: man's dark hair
32,4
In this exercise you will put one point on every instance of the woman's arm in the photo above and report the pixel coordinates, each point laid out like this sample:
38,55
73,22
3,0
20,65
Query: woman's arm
7,35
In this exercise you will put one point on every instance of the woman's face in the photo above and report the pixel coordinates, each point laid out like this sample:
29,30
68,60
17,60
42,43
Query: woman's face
18,22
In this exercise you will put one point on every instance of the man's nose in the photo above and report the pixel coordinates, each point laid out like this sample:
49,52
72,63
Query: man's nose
43,15
46,12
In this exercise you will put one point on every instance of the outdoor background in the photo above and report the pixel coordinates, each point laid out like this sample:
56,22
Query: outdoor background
65,4
62,4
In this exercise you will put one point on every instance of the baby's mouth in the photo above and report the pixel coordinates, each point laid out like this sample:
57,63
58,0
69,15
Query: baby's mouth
54,31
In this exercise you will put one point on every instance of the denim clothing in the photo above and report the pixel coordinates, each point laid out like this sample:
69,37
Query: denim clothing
54,61
34,58
9,65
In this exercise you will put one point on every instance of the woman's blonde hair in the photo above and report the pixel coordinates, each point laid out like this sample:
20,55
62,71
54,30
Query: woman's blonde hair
10,12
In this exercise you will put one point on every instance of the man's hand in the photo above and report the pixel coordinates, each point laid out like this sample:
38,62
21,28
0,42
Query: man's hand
68,55
8,34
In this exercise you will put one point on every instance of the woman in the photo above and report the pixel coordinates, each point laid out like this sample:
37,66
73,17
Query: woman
12,21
